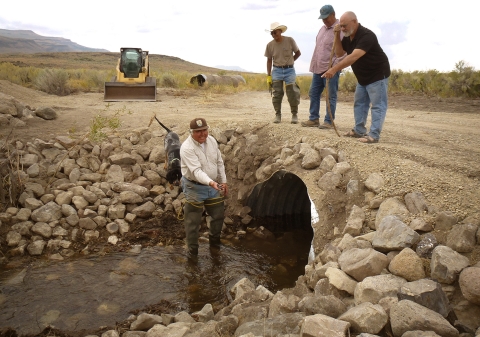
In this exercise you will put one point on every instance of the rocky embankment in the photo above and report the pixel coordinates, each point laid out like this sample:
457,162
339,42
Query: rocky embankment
394,267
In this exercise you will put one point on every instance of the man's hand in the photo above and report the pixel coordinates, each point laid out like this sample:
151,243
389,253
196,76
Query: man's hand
269,80
337,29
223,188
329,73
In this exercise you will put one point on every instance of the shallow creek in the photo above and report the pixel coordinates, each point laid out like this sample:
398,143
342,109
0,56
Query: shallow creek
89,292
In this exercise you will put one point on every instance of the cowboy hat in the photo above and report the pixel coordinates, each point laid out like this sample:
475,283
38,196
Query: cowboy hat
277,25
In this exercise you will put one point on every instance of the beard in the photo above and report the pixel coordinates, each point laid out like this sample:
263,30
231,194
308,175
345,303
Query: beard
347,33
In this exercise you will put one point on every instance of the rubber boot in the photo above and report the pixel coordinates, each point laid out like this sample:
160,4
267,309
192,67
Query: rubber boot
294,118
278,93
293,95
192,219
216,210
278,118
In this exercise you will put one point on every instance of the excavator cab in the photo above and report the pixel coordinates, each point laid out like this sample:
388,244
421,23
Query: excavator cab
133,81
131,63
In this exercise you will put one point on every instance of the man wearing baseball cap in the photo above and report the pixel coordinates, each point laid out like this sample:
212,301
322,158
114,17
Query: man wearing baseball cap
318,66
203,178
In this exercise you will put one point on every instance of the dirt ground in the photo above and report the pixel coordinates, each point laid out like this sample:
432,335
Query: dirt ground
428,144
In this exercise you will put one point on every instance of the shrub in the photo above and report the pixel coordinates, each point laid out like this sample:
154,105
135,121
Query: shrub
24,76
99,123
167,80
347,82
465,81
53,81
304,83
87,80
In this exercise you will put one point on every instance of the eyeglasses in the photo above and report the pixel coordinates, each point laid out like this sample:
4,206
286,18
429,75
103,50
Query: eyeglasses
345,25
273,32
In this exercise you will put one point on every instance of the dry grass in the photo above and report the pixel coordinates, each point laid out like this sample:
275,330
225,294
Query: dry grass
11,183
100,61
87,72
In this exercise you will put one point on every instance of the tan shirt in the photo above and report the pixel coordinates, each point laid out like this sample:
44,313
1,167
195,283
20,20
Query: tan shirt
202,164
282,52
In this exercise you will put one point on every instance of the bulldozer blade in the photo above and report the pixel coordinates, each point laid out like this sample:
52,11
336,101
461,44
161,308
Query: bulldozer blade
117,92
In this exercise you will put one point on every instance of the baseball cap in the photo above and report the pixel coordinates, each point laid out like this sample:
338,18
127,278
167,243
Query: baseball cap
198,124
325,11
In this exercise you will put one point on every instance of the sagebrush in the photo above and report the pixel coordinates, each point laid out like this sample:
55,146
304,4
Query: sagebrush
462,81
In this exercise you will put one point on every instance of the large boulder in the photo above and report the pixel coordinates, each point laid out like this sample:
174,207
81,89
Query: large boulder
391,206
46,113
276,326
393,234
366,317
469,281
407,264
407,316
361,263
446,264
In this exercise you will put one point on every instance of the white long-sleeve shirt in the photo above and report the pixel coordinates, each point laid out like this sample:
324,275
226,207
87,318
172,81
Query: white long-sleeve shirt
202,164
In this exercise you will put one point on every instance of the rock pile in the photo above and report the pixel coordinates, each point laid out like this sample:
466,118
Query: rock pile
13,113
385,274
397,266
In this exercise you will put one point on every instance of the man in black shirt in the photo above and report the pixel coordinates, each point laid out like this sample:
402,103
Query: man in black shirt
371,68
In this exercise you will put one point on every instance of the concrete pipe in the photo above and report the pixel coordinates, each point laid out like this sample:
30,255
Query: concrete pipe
204,80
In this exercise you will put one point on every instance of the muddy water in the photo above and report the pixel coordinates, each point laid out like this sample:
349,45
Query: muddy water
99,291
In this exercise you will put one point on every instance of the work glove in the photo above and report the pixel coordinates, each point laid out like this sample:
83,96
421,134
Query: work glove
269,80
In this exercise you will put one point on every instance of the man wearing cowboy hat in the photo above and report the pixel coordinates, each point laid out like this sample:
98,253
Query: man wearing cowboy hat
203,178
281,53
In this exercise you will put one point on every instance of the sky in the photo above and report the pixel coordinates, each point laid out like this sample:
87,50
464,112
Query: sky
416,35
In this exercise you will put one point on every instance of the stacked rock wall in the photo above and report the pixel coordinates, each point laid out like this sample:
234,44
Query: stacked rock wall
395,266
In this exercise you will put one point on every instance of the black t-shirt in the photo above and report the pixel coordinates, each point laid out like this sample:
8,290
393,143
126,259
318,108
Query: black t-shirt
374,65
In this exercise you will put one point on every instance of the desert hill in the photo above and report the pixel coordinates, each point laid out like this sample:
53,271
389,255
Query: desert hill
25,48
26,41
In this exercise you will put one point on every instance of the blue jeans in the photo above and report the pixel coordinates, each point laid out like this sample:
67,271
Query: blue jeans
376,94
287,75
196,192
316,89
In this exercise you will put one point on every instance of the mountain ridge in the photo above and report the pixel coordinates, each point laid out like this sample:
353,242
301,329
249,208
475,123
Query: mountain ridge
29,42
25,48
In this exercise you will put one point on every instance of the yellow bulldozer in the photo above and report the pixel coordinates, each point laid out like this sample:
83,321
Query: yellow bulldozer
133,81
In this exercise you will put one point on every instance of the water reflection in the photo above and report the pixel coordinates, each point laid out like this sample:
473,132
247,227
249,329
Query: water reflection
102,290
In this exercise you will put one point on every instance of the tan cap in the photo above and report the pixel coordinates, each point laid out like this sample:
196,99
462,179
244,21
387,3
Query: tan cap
198,124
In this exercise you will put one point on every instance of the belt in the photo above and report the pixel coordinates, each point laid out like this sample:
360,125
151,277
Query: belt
193,182
284,67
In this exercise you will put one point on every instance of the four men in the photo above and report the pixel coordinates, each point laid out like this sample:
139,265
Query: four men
202,165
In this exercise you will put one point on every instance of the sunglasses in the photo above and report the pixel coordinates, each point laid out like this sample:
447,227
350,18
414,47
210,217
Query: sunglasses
273,32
